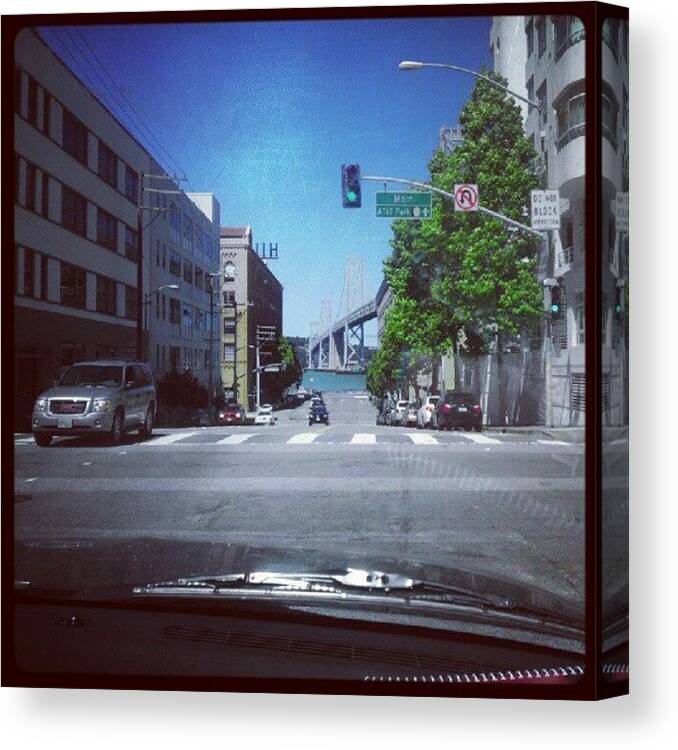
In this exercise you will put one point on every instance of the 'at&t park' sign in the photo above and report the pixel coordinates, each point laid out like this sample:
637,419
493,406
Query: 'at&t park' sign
545,209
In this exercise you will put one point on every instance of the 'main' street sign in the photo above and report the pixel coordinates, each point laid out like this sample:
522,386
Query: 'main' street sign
409,205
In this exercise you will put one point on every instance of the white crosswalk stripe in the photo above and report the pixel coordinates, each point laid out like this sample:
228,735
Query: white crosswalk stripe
363,438
419,439
171,438
236,439
482,439
552,442
303,438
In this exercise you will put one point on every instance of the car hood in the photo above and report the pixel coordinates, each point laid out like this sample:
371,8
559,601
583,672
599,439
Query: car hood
82,565
80,391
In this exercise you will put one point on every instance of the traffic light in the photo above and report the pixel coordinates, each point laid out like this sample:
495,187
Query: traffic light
350,185
556,307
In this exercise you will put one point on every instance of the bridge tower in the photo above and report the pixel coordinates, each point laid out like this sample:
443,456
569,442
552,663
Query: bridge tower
325,325
354,335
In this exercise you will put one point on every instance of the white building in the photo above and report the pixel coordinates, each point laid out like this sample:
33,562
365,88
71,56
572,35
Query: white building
508,47
183,237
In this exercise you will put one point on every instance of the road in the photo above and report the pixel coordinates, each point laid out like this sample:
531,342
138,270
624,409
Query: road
504,504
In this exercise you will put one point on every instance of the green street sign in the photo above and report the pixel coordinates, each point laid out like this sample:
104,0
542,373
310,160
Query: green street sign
410,205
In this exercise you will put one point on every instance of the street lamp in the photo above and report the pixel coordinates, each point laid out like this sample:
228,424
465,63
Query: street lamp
147,302
416,65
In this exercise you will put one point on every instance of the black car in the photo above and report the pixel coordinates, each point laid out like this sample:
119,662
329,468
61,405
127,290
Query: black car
458,409
318,413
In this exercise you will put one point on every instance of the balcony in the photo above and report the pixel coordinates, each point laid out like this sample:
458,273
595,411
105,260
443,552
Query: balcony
574,38
577,131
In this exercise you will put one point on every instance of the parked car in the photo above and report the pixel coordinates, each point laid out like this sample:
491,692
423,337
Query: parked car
399,413
265,415
459,409
426,410
410,416
105,398
232,414
318,413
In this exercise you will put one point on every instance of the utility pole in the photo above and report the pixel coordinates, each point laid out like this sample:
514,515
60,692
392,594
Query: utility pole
258,365
210,370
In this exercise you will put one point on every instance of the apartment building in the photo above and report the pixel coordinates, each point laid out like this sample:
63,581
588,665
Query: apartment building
251,296
76,224
182,261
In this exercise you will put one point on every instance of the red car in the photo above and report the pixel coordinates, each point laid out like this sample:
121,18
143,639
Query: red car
232,414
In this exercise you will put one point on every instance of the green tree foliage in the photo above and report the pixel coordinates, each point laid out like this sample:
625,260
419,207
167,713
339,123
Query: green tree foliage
457,279
181,390
293,372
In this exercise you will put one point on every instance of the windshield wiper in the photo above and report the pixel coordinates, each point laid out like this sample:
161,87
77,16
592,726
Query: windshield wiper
337,581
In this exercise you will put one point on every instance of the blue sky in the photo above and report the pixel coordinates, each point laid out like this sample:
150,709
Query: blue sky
264,114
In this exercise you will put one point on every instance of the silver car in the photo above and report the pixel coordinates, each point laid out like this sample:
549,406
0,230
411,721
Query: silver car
105,397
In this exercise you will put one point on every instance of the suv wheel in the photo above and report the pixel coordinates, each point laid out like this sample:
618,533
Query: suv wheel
115,435
43,439
478,428
146,428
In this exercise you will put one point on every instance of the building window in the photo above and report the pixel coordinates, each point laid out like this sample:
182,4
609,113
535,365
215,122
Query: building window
17,90
611,36
187,315
164,310
174,311
529,33
73,289
530,88
229,327
229,352
107,229
188,272
199,279
44,277
32,104
157,253
175,264
541,35
229,297
130,303
208,282
44,201
73,211
131,243
229,271
174,358
543,104
188,231
108,165
207,359
157,305
29,273
131,184
46,113
164,256
106,295
175,222
74,137
571,117
567,31
30,186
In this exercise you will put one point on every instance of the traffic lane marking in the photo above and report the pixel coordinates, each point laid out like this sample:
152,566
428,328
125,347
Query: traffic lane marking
303,438
171,438
480,439
363,438
235,439
422,439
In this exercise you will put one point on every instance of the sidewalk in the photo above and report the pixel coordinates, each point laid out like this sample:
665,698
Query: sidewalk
567,434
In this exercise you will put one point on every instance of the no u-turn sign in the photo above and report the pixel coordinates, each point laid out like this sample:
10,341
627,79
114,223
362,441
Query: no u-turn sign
466,197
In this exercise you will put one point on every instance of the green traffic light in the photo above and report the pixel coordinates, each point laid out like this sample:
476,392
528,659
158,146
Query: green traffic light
351,196
555,309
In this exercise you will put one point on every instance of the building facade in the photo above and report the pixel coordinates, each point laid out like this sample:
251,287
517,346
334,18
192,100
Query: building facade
76,225
554,77
251,296
183,242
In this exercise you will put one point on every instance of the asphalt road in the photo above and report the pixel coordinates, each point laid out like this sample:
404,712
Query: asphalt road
501,504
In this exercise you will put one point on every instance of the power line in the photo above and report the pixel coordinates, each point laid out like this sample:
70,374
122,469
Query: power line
131,107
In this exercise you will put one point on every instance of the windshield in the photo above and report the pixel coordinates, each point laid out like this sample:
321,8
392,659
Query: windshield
104,375
405,401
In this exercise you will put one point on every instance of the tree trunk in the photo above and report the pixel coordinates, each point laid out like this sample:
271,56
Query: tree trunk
455,359
434,374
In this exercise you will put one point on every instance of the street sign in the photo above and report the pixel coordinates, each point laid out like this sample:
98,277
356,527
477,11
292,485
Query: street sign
466,197
409,205
621,212
545,209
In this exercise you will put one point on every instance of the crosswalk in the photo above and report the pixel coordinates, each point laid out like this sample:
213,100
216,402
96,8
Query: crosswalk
197,439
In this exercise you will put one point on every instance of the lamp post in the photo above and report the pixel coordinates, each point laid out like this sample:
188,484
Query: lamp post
416,65
147,302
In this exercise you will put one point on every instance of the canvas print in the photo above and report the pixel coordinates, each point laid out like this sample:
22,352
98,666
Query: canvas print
299,348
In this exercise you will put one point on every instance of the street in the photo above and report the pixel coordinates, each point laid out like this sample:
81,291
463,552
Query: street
509,505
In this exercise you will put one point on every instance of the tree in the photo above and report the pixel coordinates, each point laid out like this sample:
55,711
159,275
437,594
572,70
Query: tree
293,372
468,277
